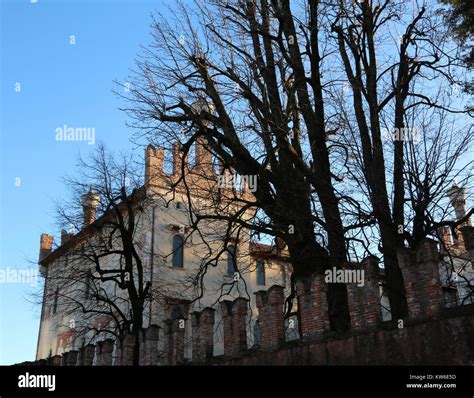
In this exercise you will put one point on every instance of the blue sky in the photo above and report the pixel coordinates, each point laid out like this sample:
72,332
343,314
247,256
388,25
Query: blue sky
61,83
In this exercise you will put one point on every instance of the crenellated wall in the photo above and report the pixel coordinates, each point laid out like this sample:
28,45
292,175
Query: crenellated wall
431,335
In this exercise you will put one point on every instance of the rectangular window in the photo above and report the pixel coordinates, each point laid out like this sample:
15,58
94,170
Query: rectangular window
260,273
231,261
178,255
55,302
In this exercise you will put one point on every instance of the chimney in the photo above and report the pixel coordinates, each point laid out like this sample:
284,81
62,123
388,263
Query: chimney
89,205
457,197
46,245
154,159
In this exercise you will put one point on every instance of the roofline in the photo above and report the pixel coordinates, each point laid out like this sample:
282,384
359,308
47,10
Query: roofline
81,236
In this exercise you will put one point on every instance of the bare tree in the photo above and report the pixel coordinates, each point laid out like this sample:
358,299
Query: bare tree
102,285
386,91
460,17
297,96
267,120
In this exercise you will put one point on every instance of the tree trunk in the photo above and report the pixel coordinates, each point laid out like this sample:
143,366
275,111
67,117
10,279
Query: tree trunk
308,258
393,274
137,329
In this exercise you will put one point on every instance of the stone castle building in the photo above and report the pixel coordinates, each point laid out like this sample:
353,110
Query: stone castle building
172,256
182,325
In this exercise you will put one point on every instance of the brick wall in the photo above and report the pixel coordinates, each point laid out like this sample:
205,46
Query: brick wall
234,316
447,340
203,334
174,342
420,269
104,352
313,306
150,347
270,308
364,301
431,335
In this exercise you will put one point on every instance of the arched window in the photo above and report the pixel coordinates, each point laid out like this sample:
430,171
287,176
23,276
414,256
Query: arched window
231,261
177,251
260,272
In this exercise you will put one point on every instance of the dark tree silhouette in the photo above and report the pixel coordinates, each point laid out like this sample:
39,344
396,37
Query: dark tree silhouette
298,96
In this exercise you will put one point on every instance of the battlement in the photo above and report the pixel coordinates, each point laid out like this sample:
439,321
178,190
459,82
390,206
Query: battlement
202,178
431,334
